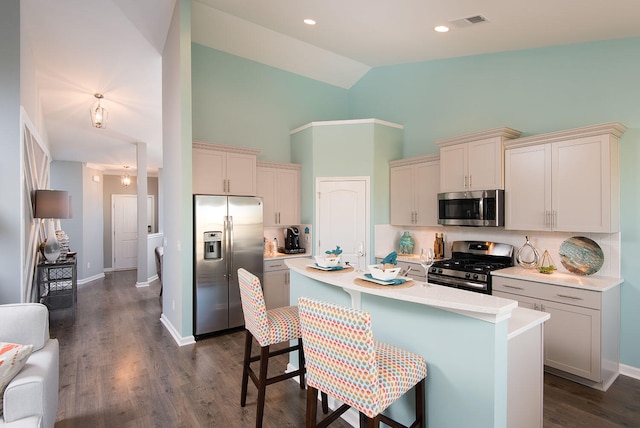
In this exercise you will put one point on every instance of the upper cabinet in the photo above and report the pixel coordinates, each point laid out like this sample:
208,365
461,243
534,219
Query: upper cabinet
474,161
564,181
279,186
223,170
414,187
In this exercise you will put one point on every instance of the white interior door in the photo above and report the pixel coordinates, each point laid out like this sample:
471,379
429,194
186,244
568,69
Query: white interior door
342,215
125,229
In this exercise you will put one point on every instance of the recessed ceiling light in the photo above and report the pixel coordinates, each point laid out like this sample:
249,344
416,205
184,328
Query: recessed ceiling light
309,21
441,28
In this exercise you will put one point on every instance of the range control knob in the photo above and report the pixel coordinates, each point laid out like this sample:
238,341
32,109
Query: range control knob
475,276
467,275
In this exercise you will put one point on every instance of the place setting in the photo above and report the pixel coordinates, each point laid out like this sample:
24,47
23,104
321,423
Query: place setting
330,262
385,274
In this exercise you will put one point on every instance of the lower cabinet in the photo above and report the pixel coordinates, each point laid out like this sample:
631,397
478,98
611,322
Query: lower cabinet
581,339
275,284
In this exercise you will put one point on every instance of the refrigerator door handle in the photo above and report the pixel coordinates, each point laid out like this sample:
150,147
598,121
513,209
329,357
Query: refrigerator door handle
230,239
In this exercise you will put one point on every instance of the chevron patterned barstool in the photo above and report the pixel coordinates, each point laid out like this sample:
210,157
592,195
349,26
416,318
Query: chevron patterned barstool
345,362
268,327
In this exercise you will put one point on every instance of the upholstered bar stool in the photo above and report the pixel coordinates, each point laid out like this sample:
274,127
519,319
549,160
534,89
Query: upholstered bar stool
345,362
268,327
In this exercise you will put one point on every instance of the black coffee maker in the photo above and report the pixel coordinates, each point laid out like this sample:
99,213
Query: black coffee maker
292,241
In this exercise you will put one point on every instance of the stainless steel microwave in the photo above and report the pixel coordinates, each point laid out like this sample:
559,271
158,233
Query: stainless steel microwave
473,208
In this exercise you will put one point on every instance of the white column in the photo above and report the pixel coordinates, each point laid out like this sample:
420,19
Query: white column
142,279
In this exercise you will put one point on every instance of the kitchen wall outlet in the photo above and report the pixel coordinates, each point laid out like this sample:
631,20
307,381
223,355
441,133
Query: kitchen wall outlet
173,305
179,246
88,265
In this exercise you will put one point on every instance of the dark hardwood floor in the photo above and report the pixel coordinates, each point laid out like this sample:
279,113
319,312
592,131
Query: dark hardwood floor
119,367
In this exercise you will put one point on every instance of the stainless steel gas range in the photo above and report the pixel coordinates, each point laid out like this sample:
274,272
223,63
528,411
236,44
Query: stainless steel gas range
470,265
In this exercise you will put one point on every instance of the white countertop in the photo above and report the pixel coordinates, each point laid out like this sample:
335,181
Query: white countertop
478,305
280,256
593,283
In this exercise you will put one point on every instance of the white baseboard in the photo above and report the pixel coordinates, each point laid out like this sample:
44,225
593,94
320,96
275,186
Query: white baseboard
630,371
91,278
181,341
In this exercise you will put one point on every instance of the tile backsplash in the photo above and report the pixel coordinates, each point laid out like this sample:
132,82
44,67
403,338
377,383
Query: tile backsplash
388,236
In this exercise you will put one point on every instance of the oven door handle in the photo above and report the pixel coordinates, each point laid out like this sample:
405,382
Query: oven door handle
455,283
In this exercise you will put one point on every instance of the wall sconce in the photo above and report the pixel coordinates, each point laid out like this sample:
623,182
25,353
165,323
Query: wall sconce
51,204
125,179
99,115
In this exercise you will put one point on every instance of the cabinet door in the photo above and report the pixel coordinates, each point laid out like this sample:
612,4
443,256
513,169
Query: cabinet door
485,164
241,174
266,188
572,339
453,168
528,188
426,187
582,185
402,212
209,172
288,196
276,289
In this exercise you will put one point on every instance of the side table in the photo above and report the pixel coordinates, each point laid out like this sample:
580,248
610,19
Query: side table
57,284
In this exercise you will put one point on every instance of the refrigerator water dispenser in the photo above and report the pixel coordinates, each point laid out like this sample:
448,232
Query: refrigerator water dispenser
212,245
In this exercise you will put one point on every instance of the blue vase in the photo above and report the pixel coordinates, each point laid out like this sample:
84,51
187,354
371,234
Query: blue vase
406,243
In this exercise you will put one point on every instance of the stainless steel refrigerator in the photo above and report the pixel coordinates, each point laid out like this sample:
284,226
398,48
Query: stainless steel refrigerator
228,235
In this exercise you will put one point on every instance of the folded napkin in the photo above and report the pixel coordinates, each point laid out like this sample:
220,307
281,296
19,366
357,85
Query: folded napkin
335,252
395,281
391,259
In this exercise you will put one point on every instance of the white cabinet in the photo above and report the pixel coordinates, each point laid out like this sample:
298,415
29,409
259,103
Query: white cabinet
565,181
581,338
414,187
279,186
223,170
275,284
474,161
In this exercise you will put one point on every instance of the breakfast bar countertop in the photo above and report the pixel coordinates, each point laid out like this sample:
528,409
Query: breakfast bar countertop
476,305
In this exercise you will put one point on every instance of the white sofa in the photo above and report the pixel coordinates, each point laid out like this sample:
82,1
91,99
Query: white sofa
31,398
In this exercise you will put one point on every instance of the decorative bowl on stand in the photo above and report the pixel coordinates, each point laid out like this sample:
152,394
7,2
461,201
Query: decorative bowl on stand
327,261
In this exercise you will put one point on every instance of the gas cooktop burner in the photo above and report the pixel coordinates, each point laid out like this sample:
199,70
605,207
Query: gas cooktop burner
471,265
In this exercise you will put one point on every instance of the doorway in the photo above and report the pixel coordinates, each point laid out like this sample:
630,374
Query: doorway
124,218
342,216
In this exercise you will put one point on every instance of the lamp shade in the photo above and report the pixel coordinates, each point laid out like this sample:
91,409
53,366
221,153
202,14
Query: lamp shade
51,204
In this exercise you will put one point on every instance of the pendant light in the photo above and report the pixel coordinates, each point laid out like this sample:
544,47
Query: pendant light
125,179
99,115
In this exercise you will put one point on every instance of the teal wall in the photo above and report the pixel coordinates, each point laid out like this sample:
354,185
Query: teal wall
534,91
244,103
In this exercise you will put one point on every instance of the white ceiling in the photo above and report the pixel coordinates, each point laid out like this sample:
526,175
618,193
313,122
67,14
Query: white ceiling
114,47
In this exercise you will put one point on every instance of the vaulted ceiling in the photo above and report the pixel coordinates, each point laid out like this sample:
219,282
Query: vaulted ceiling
114,47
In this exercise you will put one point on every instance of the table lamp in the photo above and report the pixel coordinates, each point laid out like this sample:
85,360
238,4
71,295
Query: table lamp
50,205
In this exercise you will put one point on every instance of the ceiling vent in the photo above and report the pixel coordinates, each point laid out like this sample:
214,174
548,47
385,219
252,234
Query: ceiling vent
469,21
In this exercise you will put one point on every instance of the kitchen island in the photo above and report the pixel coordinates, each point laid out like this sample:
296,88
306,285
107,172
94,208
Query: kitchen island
479,349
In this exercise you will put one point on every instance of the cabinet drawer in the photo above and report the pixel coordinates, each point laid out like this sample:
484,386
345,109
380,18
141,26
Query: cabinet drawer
555,293
273,265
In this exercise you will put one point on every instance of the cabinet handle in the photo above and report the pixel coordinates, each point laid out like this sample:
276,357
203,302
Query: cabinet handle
512,286
542,308
555,219
464,184
470,180
566,296
536,307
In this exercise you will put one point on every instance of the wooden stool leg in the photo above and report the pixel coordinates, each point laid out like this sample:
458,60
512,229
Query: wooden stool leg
262,384
312,407
325,402
301,366
420,406
245,368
